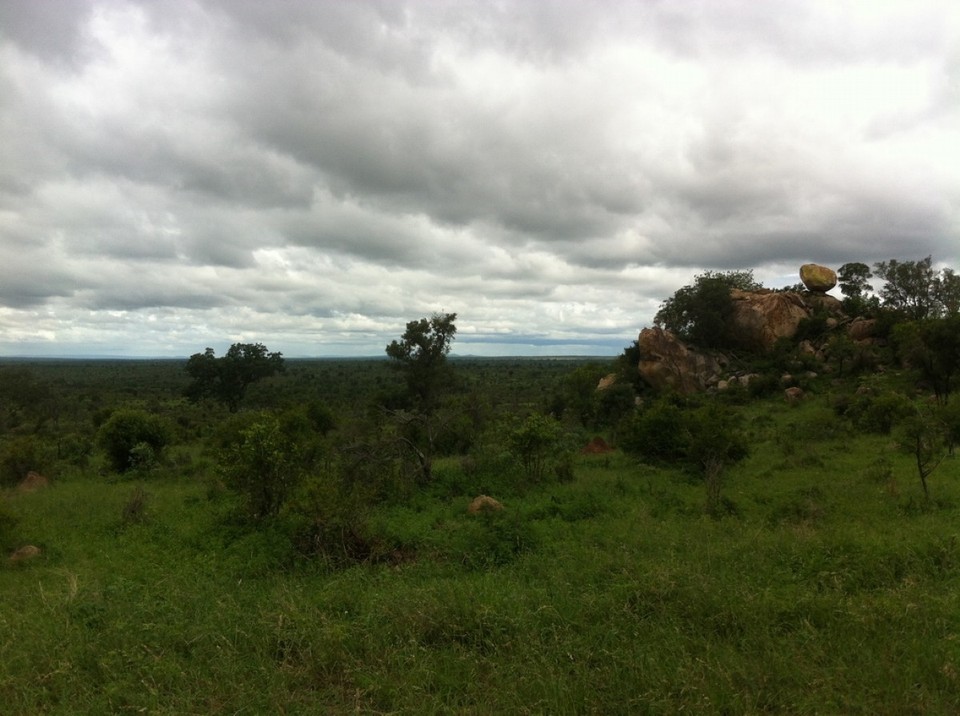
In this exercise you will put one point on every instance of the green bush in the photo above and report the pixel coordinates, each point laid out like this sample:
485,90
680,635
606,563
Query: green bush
878,412
19,456
536,443
657,434
264,467
133,438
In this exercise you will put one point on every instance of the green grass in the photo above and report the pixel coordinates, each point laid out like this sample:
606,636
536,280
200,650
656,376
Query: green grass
831,588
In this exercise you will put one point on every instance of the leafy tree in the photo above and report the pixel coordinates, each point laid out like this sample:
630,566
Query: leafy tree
701,314
932,347
854,280
534,441
947,291
129,436
226,379
854,285
421,354
922,436
910,287
264,467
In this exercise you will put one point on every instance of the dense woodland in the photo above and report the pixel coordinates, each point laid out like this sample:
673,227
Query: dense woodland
247,533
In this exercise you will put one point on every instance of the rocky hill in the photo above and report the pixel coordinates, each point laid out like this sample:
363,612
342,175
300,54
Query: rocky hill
760,319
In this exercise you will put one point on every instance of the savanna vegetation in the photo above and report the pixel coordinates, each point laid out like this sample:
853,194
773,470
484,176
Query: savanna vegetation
254,534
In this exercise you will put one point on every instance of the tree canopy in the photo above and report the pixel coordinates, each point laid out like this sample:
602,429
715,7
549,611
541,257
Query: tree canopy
226,379
701,313
421,353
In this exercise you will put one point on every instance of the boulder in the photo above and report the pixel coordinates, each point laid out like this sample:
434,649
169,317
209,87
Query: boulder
761,318
824,302
33,482
862,329
666,363
607,381
484,503
818,278
28,551
792,395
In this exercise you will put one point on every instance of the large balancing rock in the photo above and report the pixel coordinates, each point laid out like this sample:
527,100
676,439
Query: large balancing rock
818,278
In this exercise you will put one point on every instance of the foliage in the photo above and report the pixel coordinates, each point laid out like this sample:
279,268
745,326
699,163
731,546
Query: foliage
947,291
264,467
577,395
421,355
18,456
910,288
700,438
227,378
130,437
819,577
854,284
876,411
701,313
921,435
535,442
854,280
932,348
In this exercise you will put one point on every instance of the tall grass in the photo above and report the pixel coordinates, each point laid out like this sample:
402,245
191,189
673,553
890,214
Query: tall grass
826,592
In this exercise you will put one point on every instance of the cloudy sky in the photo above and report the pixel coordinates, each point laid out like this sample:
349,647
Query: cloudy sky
177,174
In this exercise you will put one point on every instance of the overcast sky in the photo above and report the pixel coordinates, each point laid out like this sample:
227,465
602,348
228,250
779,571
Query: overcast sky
312,175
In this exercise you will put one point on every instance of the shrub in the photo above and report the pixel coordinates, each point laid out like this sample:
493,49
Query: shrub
535,442
19,456
133,438
878,412
263,467
656,434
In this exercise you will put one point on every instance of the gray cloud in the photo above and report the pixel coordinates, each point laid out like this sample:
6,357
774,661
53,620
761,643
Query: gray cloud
316,174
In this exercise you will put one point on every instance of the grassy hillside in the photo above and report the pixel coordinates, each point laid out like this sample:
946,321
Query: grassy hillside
831,586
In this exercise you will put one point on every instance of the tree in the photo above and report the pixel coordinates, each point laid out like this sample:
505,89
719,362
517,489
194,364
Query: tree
854,285
421,354
947,291
131,437
932,348
854,279
226,379
922,436
701,314
264,466
910,287
534,441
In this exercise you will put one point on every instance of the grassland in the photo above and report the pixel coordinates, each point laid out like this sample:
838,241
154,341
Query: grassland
830,587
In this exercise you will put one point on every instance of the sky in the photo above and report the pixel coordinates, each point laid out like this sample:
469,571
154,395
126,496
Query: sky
312,175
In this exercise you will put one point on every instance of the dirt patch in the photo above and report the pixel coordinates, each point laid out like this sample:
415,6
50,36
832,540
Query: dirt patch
597,446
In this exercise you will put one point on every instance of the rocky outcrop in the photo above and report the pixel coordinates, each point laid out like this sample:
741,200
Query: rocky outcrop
666,363
818,278
761,318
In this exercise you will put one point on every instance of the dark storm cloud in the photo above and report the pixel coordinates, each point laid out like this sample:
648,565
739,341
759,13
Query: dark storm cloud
551,171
